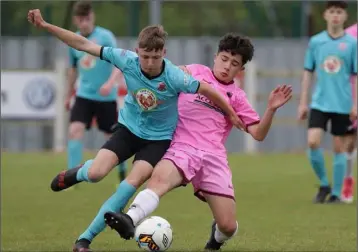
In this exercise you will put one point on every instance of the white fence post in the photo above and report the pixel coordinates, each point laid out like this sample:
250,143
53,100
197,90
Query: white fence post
251,92
60,122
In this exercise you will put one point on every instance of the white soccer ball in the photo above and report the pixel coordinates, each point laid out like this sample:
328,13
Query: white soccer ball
154,234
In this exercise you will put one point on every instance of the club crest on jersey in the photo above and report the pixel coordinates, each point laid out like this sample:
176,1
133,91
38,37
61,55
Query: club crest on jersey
146,99
162,86
332,64
342,46
88,61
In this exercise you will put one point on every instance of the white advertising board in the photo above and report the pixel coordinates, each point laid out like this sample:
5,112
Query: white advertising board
28,95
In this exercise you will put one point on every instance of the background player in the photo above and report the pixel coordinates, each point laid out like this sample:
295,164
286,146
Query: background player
197,152
332,54
147,120
351,139
96,95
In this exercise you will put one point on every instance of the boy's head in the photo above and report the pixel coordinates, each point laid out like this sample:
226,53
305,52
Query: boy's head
233,53
83,17
151,48
335,13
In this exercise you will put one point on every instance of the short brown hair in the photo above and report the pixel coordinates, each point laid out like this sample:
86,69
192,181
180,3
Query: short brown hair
82,8
152,38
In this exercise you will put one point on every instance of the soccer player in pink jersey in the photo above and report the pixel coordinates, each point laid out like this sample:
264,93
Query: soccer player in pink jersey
197,153
347,191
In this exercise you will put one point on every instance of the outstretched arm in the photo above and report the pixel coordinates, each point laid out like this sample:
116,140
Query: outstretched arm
70,38
278,97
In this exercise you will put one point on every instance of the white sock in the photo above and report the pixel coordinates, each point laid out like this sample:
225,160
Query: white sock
220,237
350,163
143,205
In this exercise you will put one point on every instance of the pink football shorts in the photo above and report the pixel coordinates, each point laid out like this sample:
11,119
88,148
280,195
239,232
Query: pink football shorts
208,172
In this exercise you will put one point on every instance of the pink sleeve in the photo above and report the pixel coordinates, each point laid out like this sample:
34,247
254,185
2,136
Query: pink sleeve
245,111
352,30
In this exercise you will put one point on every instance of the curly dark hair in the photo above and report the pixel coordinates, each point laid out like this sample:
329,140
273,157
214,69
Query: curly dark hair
338,4
237,45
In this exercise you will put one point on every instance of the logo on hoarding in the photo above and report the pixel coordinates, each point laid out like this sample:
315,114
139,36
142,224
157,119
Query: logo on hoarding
39,93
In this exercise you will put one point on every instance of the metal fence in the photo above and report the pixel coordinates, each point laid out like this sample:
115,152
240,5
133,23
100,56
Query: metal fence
271,55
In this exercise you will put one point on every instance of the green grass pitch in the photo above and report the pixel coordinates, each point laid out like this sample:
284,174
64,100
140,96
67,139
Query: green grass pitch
274,209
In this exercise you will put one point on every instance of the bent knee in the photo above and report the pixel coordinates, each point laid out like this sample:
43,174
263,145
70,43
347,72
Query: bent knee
157,180
137,181
95,174
351,148
314,138
339,144
76,130
227,226
313,143
350,144
159,184
141,172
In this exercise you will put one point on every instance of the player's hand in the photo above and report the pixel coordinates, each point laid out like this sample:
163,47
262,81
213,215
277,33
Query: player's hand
237,122
105,89
279,96
35,18
353,114
302,112
68,103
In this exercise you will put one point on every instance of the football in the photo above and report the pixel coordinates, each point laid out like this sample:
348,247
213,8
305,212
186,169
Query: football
154,234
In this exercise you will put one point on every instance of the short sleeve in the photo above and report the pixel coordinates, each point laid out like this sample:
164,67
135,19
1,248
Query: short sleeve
354,59
181,81
245,111
116,56
72,57
310,63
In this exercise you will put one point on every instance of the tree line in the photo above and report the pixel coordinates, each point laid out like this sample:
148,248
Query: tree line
181,18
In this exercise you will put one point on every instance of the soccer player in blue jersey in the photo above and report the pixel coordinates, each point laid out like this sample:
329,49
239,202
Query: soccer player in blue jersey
332,54
146,122
96,95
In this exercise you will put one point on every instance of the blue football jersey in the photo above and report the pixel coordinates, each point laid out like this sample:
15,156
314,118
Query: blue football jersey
334,60
93,72
151,106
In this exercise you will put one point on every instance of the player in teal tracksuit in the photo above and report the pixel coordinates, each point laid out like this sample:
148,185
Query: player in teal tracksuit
332,54
146,122
96,95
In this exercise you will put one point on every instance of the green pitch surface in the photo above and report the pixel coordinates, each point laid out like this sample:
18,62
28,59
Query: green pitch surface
273,195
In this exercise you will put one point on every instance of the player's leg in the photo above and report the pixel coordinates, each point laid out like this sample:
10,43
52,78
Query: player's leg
213,184
146,201
106,113
225,225
350,145
141,171
118,146
116,203
316,126
172,171
121,168
122,141
80,119
340,124
351,148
